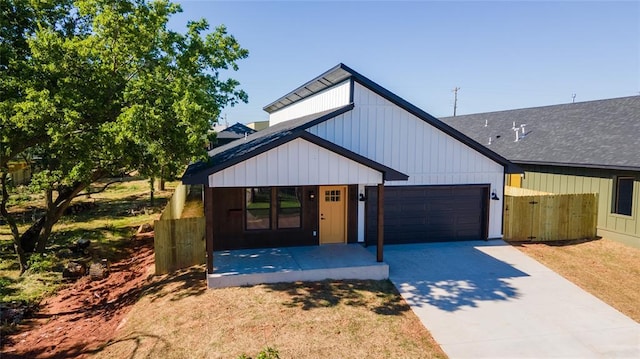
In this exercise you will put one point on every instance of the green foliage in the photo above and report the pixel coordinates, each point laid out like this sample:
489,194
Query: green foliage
94,87
266,353
42,262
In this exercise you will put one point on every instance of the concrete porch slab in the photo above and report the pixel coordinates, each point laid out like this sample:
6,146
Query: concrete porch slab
235,268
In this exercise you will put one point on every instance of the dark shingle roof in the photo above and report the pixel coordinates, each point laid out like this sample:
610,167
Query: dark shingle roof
237,151
600,134
236,131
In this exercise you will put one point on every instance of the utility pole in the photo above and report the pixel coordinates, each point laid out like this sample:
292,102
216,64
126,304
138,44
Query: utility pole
455,100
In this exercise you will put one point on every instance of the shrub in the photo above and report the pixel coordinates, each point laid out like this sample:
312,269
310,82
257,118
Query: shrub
266,353
42,262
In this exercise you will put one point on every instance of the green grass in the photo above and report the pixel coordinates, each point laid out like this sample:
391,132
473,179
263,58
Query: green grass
108,226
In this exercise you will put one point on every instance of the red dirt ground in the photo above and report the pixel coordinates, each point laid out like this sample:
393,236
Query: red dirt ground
80,318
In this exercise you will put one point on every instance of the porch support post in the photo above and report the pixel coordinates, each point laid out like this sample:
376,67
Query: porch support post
380,222
208,214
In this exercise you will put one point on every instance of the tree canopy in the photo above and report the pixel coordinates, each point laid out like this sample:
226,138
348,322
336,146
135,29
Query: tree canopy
94,87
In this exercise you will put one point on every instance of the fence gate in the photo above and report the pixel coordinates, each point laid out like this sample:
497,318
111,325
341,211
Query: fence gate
550,217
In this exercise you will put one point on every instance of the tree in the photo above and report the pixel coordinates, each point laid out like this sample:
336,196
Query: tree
103,86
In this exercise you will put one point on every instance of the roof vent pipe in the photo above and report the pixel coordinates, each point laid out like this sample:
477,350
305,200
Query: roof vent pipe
516,130
522,127
486,122
489,140
514,125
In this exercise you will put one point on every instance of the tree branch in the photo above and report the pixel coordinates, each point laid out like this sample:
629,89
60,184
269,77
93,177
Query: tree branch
98,191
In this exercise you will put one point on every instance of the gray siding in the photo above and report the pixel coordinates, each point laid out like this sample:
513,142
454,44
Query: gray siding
583,180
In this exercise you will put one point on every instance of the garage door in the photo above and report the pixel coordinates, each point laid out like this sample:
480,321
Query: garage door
414,214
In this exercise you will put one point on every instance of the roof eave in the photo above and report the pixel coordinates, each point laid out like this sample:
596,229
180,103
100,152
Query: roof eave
388,173
416,111
579,165
277,104
200,177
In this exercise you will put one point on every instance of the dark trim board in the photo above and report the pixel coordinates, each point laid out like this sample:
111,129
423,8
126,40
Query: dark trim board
199,173
209,223
578,165
389,174
417,214
342,71
352,214
255,144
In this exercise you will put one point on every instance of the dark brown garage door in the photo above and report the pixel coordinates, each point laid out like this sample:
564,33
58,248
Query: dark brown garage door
415,214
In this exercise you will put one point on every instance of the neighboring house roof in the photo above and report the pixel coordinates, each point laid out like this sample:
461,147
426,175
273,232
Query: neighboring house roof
236,131
274,136
342,72
594,134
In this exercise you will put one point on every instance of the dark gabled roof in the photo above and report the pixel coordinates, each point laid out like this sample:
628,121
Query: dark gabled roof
274,136
342,72
236,131
594,134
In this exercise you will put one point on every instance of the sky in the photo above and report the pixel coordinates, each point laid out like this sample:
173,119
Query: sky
501,55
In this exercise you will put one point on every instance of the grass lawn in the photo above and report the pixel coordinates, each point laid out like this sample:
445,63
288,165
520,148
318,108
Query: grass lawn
107,225
605,268
178,317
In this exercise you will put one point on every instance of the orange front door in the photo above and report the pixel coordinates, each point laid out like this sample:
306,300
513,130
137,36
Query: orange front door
333,214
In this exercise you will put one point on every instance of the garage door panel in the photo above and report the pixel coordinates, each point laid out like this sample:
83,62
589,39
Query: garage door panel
405,223
468,221
429,213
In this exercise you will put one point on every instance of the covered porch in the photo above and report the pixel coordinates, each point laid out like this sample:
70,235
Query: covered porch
284,187
290,264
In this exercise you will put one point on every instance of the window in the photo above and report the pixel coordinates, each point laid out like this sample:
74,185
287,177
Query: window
287,202
623,195
258,208
332,196
289,207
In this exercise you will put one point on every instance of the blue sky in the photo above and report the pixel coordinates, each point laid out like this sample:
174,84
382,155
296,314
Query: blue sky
503,55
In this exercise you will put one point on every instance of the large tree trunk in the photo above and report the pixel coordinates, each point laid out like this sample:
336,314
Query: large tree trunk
29,238
55,210
22,257
37,236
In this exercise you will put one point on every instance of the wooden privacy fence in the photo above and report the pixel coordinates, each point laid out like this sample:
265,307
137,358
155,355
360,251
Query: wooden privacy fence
550,217
179,242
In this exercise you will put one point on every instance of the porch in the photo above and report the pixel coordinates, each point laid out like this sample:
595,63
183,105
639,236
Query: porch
233,268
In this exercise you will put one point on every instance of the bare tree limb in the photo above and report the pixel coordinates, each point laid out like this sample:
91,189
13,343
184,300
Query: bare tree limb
98,191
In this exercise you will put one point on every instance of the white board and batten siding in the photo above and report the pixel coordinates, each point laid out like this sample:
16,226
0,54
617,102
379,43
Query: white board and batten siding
333,97
296,163
382,131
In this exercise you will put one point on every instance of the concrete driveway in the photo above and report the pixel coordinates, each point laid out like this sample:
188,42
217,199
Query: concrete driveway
489,300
